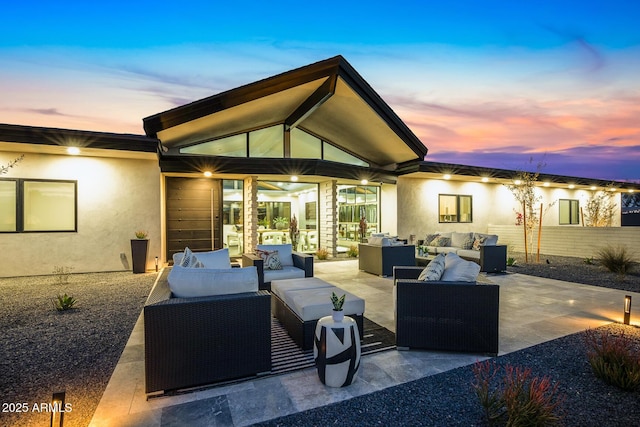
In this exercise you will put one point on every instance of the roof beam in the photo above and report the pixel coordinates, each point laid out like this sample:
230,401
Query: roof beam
312,103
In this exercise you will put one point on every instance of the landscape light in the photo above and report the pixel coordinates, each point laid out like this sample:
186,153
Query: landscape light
57,409
627,309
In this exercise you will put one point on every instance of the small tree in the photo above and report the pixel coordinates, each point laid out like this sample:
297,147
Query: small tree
600,208
524,190
5,169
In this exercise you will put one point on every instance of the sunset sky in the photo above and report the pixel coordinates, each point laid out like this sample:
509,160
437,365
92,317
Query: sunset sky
482,83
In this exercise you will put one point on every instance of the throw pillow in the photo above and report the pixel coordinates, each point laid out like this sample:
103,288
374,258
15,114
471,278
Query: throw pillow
478,241
270,259
440,241
429,238
468,242
459,270
189,260
434,270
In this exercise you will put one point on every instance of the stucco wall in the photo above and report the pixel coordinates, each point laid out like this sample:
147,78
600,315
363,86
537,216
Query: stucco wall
493,204
116,197
389,209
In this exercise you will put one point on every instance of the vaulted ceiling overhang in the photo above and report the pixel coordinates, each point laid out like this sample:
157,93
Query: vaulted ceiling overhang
328,99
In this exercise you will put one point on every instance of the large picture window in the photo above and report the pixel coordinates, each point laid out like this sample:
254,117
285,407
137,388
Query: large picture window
38,205
569,212
454,208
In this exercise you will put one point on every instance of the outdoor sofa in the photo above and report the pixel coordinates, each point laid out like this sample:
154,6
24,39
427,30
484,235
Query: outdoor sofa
194,339
295,265
445,315
466,245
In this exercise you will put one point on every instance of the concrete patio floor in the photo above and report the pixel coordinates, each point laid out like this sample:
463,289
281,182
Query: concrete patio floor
532,310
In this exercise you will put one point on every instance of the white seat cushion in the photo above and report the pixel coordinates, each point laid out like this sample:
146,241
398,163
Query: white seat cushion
312,304
281,287
468,253
287,272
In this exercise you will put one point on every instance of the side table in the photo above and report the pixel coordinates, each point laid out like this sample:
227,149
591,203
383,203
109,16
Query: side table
336,351
493,259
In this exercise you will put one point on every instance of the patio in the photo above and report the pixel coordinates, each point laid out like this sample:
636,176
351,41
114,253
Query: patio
532,310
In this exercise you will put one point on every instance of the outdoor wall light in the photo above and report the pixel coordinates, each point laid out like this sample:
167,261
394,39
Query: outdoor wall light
627,309
156,263
57,409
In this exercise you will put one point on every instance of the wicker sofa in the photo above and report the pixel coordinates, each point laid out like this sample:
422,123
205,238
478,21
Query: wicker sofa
295,265
448,316
201,340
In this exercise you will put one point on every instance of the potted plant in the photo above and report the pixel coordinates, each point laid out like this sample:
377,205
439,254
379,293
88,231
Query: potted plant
280,222
139,249
338,302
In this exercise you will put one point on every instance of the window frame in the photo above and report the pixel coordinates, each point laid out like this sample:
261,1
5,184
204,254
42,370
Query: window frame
456,217
573,204
21,208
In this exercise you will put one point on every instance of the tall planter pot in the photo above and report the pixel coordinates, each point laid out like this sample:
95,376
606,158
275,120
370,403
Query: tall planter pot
139,249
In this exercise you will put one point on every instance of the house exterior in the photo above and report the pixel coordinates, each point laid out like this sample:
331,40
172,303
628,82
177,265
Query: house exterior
232,170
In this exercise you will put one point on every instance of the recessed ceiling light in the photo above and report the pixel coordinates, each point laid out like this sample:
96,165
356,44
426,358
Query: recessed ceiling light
294,178
364,182
517,182
571,186
485,179
446,176
74,151
593,188
207,174
546,184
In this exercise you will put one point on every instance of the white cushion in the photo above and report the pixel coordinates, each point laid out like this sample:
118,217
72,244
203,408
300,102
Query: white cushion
462,240
201,282
486,239
281,287
468,253
215,259
212,259
458,270
284,252
312,304
287,272
434,270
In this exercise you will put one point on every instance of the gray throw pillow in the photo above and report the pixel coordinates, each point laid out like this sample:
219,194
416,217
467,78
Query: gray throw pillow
433,271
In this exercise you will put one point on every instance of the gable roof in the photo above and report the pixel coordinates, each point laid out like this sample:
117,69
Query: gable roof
328,99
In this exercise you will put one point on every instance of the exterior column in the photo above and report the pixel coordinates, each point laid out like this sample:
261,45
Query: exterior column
250,213
328,224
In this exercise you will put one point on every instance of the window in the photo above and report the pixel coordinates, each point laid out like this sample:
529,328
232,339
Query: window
38,205
569,212
355,202
267,142
454,208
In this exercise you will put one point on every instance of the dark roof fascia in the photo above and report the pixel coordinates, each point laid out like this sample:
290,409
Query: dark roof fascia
479,171
273,166
240,95
79,138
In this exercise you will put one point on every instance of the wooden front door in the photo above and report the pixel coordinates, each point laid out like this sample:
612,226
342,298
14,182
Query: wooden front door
193,214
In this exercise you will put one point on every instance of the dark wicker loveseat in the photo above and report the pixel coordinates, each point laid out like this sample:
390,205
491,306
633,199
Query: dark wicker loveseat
448,316
196,341
302,266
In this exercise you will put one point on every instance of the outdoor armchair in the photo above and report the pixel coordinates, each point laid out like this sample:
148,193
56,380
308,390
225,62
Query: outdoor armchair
295,265
448,316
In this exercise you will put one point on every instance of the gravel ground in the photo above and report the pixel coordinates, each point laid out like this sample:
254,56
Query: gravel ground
42,351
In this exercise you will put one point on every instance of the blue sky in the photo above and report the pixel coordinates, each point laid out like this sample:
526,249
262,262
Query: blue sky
491,83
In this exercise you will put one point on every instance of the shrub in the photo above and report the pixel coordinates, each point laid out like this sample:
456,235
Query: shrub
522,400
352,252
64,302
511,261
613,359
616,259
62,274
588,260
322,253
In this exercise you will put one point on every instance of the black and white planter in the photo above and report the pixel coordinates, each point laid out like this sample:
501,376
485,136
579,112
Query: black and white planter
336,350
